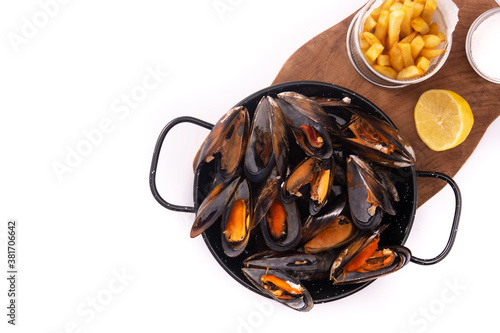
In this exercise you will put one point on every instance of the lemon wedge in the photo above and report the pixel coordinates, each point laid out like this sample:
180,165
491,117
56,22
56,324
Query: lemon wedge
443,119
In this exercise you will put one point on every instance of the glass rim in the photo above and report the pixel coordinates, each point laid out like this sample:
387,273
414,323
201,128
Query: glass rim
468,43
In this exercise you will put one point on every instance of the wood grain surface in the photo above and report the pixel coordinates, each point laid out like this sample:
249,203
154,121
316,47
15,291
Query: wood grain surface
324,58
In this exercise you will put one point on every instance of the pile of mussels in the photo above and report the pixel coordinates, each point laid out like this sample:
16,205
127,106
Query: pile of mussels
320,210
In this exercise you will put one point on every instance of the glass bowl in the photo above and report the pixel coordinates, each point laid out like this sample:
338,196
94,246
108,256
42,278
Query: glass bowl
366,71
468,45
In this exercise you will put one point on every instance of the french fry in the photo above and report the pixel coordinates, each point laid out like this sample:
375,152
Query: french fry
433,28
431,41
396,6
406,28
375,14
408,59
410,73
417,44
442,36
383,60
409,38
418,7
428,11
371,38
423,63
395,19
387,4
431,53
382,25
370,23
420,25
396,58
364,44
386,71
373,52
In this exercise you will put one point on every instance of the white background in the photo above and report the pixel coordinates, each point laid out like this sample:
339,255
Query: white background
96,219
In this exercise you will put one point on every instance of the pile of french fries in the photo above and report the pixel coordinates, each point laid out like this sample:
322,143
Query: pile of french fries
399,38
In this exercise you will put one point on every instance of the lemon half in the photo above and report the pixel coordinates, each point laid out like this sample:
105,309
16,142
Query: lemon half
443,119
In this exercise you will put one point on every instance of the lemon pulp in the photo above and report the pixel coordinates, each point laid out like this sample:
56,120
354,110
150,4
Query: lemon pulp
443,119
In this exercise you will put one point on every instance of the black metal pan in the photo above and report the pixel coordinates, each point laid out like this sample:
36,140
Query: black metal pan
404,178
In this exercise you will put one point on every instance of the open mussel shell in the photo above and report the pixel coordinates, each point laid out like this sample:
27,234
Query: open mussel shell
281,227
308,122
305,106
302,266
354,248
259,157
314,224
397,257
370,137
338,233
282,287
226,144
368,196
312,179
321,185
236,221
213,206
265,197
298,180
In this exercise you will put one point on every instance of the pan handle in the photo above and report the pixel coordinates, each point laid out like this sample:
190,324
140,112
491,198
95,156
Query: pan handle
456,217
156,155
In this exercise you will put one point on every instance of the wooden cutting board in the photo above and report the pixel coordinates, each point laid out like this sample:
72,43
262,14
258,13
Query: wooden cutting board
324,58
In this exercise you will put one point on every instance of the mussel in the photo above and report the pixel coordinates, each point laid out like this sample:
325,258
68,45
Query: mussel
280,286
308,122
281,227
383,261
363,260
226,144
213,206
370,137
312,177
237,221
268,144
265,197
368,196
314,224
336,234
279,221
356,252
300,265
